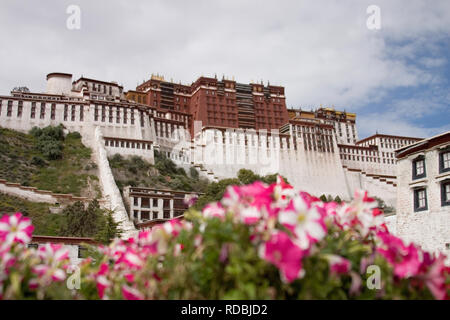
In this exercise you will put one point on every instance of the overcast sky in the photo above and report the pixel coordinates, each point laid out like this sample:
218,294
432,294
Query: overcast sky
396,78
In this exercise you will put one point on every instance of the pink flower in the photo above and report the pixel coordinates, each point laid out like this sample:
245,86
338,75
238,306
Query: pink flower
173,227
213,210
52,258
338,264
257,195
404,259
361,215
433,273
304,220
132,259
285,254
130,293
190,200
282,191
250,215
102,281
15,228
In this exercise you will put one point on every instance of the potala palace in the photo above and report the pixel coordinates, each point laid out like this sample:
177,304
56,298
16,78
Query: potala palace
221,126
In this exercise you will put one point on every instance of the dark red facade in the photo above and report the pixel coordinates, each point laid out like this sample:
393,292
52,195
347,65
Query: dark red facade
220,103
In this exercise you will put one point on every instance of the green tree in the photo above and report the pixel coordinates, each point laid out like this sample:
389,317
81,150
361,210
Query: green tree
49,141
81,222
109,229
246,176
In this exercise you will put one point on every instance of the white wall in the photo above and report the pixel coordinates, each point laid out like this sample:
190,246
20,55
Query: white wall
429,228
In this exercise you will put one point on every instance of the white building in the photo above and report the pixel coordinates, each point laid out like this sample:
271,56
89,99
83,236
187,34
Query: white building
423,193
317,151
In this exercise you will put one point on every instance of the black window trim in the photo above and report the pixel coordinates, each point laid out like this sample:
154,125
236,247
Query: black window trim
414,174
443,201
416,199
441,160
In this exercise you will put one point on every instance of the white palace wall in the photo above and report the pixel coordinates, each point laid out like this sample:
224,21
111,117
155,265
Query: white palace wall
225,153
217,154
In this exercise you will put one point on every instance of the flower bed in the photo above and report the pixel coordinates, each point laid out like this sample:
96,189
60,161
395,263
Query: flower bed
259,242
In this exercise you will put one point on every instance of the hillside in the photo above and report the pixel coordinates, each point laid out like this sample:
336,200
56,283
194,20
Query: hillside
163,174
24,160
44,222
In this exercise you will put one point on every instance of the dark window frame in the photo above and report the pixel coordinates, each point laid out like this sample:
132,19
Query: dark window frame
444,200
416,199
414,168
441,160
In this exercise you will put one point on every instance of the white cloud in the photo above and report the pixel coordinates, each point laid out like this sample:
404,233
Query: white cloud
321,51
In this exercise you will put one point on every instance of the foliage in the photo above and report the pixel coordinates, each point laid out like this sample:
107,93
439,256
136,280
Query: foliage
49,141
23,162
45,223
89,222
383,206
258,242
108,229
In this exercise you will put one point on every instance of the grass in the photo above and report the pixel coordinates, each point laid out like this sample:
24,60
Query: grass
163,174
73,173
45,223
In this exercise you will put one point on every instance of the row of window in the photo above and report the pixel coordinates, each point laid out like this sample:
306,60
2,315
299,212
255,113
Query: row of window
421,201
419,166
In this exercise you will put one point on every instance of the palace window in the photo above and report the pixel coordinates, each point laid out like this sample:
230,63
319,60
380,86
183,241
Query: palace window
118,115
19,109
444,161
33,110
418,168
96,113
166,214
72,116
81,112
445,193
66,111
103,113
42,116
9,110
420,199
53,111
110,113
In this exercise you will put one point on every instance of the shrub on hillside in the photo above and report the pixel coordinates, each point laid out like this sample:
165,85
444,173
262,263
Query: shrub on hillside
49,141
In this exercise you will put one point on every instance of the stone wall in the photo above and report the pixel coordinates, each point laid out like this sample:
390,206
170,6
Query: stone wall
429,228
109,188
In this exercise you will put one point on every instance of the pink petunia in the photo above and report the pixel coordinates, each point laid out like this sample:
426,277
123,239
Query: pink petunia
285,255
433,273
338,264
15,228
102,281
130,293
213,210
404,259
304,220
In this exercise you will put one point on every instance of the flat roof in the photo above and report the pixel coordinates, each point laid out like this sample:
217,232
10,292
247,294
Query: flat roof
423,144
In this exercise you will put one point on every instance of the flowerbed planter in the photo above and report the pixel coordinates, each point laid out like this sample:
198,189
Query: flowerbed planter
259,242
